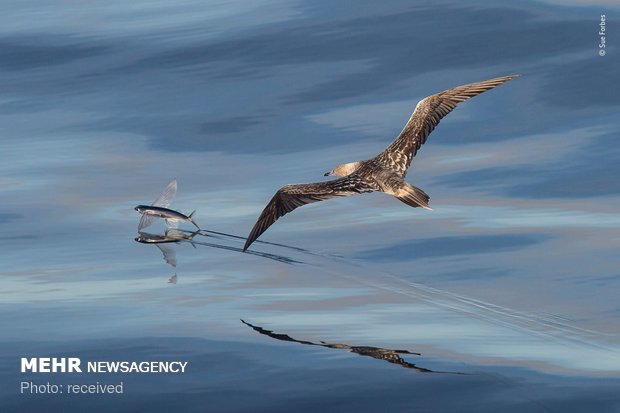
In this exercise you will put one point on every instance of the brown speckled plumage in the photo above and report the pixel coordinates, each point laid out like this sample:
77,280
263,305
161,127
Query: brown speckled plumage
386,171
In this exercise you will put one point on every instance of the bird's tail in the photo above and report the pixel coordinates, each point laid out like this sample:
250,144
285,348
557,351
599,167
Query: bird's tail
412,196
192,219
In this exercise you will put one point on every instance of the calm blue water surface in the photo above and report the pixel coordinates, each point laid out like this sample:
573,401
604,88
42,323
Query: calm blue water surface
508,289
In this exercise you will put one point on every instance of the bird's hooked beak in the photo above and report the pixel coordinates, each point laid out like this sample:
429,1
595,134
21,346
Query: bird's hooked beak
330,173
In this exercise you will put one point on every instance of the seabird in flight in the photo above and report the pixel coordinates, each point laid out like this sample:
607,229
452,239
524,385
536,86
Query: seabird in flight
385,172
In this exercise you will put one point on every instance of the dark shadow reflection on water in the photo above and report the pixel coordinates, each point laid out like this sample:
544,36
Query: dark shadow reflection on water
389,355
177,236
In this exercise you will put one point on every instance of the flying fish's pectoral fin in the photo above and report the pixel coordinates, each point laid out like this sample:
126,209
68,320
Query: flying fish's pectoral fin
166,197
145,221
172,223
169,254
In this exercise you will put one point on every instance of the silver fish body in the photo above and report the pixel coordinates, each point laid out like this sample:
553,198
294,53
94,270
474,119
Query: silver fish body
165,213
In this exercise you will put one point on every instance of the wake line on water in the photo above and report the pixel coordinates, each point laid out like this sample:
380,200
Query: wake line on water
540,325
493,313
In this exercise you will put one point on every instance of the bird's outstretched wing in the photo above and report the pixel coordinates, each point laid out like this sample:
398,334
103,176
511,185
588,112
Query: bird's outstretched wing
426,116
290,197
166,197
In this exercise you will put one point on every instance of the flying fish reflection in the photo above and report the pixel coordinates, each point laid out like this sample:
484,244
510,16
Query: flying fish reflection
170,236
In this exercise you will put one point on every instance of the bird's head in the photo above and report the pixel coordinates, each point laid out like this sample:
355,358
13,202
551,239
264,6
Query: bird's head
344,169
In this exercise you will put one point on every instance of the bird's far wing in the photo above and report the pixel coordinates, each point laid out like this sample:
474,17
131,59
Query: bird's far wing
166,197
290,197
170,256
146,221
426,116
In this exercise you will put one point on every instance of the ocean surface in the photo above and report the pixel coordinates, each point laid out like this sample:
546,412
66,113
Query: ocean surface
504,297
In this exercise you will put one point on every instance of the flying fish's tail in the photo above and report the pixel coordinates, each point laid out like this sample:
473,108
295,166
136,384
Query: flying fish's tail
412,196
192,220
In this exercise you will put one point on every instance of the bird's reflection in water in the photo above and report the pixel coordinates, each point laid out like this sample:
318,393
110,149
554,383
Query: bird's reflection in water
173,279
391,356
